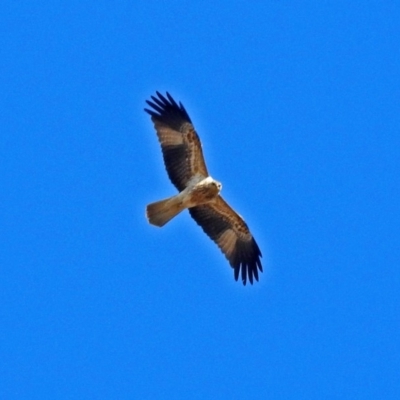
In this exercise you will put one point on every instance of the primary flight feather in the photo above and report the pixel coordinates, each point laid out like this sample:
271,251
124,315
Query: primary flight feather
198,191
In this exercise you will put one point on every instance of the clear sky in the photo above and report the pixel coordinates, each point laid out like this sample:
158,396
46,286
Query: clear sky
297,106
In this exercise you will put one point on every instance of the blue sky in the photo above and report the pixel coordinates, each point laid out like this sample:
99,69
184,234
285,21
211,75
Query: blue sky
297,106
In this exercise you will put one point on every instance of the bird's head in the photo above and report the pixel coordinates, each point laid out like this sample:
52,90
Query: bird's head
219,185
212,184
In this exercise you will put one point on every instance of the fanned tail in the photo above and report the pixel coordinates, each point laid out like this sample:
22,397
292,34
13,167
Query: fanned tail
160,212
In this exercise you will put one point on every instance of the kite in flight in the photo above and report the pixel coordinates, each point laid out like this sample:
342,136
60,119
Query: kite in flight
198,191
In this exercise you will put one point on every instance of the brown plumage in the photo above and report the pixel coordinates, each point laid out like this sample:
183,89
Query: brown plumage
186,168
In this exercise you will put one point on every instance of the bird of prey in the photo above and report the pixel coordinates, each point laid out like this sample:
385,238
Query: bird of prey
198,191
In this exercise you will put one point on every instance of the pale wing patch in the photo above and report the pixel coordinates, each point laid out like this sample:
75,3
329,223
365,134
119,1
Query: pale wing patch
227,242
168,136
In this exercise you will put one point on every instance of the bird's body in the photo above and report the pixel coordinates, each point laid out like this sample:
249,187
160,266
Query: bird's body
198,191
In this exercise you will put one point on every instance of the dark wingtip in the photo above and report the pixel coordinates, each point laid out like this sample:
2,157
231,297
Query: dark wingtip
246,262
151,112
166,109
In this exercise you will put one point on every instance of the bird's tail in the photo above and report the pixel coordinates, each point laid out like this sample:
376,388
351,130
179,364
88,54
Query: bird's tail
160,212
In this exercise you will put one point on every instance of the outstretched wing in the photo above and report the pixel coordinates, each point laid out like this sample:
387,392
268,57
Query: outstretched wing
180,143
229,231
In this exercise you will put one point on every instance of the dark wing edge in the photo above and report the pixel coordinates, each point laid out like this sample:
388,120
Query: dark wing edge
166,110
179,141
230,232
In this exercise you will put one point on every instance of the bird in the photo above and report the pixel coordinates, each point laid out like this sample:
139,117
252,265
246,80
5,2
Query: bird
198,191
